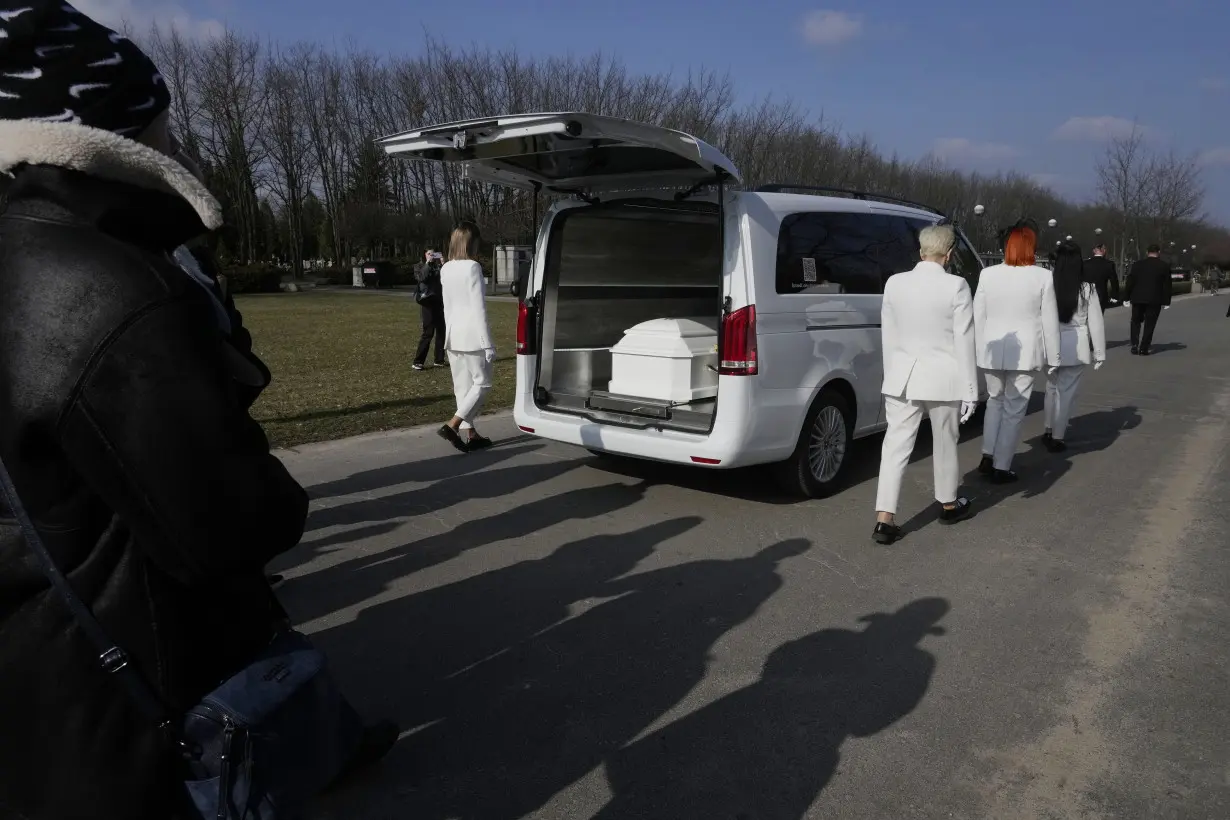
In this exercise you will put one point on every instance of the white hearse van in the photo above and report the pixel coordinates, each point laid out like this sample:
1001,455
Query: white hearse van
670,317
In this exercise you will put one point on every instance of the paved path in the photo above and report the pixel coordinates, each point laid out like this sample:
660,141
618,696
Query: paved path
567,638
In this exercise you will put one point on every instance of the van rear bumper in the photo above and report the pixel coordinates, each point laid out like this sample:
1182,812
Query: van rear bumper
725,447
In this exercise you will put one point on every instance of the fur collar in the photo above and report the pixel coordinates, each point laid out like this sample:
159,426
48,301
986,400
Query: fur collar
106,155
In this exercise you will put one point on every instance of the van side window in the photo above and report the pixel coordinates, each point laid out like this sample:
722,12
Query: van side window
824,252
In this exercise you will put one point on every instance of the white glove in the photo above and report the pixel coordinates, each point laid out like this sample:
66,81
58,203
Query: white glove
489,355
967,410
1052,370
1098,364
1126,304
1165,307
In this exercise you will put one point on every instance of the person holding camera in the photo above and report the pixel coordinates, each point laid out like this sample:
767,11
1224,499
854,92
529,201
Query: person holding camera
431,305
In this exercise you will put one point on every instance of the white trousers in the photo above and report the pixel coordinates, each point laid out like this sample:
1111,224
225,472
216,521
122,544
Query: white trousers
1008,402
903,418
471,381
1061,392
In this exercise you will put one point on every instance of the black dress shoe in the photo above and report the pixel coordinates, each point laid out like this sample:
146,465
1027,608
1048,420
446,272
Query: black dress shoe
378,740
951,515
1144,351
1135,350
478,442
886,533
986,466
1047,438
1004,477
450,435
1056,445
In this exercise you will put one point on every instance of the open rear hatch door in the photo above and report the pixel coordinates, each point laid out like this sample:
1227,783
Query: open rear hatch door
567,153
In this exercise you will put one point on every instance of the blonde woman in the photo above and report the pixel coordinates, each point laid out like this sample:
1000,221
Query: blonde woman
467,339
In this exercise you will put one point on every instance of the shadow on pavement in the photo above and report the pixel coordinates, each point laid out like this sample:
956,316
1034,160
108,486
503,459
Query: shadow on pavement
449,480
768,750
522,681
451,465
324,592
441,494
1040,469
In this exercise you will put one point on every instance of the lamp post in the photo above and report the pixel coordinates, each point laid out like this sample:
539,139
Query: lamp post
979,240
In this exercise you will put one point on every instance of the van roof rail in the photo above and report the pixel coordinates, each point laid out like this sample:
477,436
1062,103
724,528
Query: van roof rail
822,190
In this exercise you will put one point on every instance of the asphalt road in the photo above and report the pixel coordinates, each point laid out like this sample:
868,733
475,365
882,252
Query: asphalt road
563,637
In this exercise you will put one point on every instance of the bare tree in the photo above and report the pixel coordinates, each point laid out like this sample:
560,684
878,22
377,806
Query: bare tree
1125,174
232,103
286,138
1173,194
285,141
179,62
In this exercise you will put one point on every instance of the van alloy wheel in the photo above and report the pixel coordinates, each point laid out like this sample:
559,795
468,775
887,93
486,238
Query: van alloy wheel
826,451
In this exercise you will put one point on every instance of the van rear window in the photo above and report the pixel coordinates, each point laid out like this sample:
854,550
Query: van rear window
827,252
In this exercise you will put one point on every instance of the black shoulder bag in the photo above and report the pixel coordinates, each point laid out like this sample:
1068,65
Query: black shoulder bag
255,748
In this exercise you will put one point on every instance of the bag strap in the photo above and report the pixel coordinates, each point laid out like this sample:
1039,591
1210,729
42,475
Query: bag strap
111,657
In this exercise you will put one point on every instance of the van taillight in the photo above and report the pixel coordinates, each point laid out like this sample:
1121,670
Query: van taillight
738,355
525,329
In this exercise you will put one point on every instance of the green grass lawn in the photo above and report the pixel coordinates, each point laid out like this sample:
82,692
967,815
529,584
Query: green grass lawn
341,365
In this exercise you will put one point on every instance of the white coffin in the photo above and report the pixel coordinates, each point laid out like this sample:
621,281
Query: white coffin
667,360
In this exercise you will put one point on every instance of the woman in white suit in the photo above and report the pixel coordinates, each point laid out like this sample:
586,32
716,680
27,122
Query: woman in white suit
928,344
1082,341
1017,328
466,337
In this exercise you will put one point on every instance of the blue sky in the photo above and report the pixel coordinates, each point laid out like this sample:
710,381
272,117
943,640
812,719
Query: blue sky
1034,86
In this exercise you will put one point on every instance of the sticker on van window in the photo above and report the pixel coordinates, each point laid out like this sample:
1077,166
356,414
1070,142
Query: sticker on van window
809,269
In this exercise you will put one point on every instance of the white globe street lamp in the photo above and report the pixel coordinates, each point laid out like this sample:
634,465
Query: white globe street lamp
1068,237
1097,231
1053,223
979,210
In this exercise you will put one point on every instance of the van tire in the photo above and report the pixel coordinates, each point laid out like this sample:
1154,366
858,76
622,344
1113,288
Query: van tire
795,475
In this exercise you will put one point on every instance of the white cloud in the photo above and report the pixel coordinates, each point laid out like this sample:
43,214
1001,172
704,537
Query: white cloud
1215,84
1216,156
1099,129
831,28
959,148
138,16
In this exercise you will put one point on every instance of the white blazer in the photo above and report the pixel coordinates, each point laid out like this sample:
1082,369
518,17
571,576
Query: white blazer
1083,339
465,307
1015,318
927,335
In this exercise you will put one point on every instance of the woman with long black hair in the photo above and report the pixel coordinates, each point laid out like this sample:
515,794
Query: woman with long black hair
1082,341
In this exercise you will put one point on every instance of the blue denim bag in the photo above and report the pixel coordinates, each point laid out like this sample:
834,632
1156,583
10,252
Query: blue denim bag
257,747
272,736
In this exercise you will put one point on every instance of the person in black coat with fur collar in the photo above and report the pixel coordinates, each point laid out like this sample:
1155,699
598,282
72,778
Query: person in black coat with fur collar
124,423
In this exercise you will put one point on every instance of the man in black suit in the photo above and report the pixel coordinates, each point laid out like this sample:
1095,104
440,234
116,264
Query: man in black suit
1100,272
1147,291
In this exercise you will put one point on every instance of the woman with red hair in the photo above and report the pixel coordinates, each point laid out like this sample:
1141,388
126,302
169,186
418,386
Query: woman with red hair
1016,327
